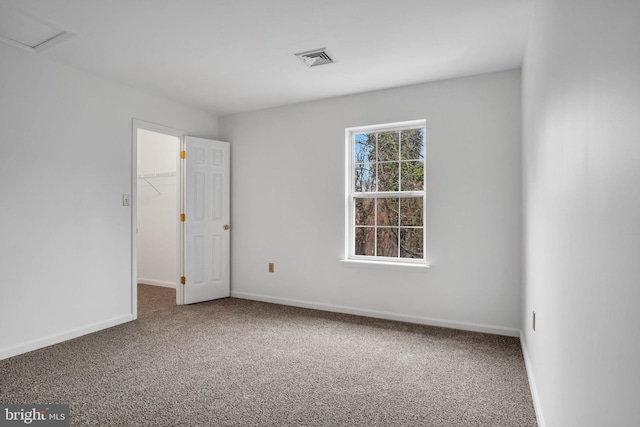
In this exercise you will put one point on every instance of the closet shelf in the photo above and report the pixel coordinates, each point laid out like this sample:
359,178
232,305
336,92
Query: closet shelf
156,175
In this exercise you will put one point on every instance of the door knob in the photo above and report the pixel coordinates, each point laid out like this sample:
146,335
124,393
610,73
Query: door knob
226,226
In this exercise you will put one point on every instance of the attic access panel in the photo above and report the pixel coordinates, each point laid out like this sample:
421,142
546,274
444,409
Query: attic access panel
26,31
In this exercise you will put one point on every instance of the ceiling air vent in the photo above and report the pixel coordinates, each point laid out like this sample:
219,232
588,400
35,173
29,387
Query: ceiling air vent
315,57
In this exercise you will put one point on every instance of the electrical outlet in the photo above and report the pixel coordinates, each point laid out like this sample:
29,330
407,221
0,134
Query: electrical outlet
534,321
271,267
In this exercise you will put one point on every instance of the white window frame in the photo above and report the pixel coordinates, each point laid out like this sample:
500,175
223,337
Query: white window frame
350,194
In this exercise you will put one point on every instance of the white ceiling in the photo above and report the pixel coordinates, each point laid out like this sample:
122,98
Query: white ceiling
228,56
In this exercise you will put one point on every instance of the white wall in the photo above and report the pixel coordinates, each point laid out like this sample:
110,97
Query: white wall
157,209
582,210
65,246
288,205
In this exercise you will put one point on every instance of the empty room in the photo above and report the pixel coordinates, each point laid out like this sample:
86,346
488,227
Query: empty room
320,213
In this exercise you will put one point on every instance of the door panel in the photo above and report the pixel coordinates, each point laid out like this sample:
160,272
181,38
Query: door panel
206,208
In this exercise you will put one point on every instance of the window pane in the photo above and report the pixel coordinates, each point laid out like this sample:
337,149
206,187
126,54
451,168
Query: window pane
388,177
388,145
365,241
412,144
388,159
388,242
412,176
411,211
365,213
411,242
365,177
365,148
388,211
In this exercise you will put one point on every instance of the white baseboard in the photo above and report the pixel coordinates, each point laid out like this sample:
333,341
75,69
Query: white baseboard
153,282
532,383
5,353
452,324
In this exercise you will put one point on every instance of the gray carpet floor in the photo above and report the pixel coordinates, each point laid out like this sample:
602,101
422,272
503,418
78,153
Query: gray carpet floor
234,362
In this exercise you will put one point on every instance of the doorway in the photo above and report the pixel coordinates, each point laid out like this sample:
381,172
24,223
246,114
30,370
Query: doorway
158,199
180,214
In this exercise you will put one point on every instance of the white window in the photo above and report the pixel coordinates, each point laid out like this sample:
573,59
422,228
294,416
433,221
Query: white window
386,193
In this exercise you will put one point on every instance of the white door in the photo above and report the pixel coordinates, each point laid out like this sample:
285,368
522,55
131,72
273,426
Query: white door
206,221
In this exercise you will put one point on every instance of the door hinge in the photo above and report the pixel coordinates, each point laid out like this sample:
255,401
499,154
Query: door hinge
183,217
183,280
183,154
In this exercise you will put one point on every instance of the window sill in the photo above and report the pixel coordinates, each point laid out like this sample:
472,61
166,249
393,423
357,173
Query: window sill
385,265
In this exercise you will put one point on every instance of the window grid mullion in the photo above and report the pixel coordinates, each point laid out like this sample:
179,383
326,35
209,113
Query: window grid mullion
399,162
387,194
398,228
377,163
375,204
375,227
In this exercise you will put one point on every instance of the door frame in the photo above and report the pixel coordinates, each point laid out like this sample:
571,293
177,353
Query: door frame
153,127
